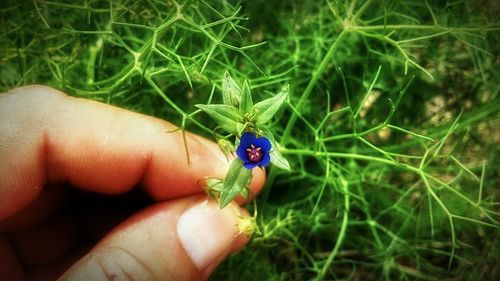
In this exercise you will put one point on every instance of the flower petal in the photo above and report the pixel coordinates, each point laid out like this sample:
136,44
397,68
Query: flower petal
242,153
250,165
264,143
247,139
266,158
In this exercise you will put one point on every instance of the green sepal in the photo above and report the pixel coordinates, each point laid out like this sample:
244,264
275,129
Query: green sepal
231,92
246,105
267,108
240,127
276,158
226,146
214,187
245,192
236,181
226,116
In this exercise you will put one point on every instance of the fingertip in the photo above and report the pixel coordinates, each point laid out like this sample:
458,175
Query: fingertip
182,239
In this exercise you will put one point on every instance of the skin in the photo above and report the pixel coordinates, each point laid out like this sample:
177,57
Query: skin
81,179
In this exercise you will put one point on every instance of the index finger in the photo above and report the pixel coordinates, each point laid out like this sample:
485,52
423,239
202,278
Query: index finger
46,136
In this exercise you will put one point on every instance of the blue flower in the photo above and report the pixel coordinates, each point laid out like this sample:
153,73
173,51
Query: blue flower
253,151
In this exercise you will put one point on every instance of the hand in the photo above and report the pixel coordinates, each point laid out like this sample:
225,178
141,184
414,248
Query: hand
49,141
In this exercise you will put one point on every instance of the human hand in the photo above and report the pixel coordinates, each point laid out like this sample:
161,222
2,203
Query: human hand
49,141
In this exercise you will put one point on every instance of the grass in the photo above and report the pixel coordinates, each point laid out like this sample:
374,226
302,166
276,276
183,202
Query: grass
391,127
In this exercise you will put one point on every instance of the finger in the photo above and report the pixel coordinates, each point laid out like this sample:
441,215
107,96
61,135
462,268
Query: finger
10,269
45,242
96,215
54,269
183,239
51,200
46,136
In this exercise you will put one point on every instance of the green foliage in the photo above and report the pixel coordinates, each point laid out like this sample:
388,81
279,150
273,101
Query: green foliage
276,158
231,92
246,105
236,180
390,125
236,121
225,115
268,107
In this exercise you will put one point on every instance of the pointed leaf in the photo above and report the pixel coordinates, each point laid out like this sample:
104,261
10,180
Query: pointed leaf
231,93
276,158
226,116
236,181
268,107
246,105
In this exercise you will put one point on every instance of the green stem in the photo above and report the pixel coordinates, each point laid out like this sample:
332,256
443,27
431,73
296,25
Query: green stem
342,232
314,79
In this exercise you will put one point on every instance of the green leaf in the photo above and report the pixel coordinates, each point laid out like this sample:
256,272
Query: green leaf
276,158
226,116
231,93
236,181
240,127
268,107
246,105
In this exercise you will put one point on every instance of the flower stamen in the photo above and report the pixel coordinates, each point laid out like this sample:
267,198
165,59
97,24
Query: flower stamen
254,153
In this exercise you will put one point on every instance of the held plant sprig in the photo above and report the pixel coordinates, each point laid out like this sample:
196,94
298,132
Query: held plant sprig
254,143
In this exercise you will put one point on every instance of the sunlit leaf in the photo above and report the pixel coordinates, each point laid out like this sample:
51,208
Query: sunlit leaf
237,179
276,158
231,92
268,107
246,105
226,116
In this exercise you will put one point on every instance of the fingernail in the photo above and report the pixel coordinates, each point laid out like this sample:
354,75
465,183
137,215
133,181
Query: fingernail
205,231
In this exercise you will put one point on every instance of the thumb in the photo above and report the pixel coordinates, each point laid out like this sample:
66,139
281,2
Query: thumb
182,239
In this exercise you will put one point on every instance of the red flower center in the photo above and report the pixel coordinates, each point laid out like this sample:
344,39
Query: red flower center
254,153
